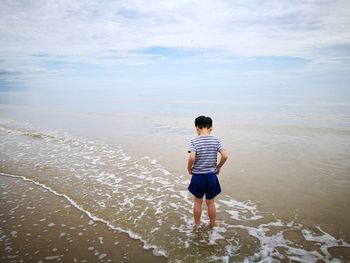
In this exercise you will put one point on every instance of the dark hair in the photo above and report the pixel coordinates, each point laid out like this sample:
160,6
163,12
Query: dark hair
203,122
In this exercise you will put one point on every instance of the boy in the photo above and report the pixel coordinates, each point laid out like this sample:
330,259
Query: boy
202,165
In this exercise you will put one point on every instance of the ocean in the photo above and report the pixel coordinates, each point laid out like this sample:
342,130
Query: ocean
99,174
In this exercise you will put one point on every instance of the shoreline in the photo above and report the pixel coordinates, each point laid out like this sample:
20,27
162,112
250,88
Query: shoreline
68,218
116,185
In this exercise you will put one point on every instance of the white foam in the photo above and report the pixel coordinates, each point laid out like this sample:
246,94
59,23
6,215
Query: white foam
326,240
156,250
53,257
162,193
216,234
242,211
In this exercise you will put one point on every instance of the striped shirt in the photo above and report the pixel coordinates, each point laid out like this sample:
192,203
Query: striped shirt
206,148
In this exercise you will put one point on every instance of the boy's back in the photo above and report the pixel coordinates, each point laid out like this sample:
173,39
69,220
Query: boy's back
206,148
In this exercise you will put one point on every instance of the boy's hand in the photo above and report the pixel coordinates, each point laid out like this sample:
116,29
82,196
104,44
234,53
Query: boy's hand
190,162
222,160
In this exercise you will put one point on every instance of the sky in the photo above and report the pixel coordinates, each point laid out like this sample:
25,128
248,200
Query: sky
170,44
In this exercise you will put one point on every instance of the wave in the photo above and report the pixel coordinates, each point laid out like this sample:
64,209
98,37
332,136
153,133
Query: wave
141,197
93,217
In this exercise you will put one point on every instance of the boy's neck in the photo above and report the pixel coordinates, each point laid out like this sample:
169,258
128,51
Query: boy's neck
203,131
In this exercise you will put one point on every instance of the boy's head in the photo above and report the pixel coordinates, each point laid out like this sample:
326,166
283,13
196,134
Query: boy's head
203,122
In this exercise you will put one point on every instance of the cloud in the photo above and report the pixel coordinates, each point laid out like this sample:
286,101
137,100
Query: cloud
136,32
20,74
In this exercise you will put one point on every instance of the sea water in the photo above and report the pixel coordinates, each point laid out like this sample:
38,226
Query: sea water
119,158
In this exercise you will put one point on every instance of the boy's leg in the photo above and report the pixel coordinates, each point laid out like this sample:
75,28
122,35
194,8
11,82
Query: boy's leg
197,210
211,211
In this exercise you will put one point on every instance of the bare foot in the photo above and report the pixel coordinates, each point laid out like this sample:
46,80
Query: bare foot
199,226
210,225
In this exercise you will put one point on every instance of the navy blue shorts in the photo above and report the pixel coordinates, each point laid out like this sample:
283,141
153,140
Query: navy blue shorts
205,184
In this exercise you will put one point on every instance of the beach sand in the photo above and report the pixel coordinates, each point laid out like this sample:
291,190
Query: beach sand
37,226
285,191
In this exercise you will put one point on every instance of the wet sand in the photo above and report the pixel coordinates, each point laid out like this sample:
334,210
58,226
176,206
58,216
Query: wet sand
37,226
284,194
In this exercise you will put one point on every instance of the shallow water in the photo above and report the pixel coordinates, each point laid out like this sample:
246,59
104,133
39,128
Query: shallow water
39,226
285,187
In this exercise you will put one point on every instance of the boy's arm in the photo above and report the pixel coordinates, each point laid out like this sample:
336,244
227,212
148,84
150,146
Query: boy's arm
223,159
190,162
